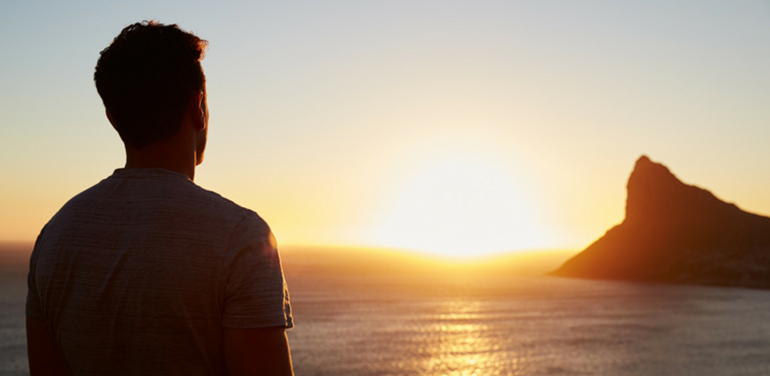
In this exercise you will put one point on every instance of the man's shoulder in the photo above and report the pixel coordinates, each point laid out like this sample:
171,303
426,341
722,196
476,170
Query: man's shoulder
215,202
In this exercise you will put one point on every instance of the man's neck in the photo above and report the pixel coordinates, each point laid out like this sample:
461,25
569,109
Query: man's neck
162,155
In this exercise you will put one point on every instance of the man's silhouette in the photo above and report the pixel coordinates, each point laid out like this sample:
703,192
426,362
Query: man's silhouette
146,273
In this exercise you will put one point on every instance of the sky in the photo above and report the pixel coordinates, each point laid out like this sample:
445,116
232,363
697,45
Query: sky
451,127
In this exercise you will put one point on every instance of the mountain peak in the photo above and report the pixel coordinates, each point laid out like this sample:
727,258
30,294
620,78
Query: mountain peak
646,166
644,159
656,194
647,171
652,189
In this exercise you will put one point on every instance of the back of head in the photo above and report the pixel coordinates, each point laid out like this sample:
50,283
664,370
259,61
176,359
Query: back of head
146,78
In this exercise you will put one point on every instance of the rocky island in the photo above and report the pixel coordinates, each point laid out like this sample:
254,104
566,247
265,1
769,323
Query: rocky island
677,233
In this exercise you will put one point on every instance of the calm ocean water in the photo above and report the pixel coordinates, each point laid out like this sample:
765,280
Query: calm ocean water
492,325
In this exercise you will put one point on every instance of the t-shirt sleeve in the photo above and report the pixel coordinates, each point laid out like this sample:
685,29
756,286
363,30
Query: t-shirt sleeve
34,308
255,293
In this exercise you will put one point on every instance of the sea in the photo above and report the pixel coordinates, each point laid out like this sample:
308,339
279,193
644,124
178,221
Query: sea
386,323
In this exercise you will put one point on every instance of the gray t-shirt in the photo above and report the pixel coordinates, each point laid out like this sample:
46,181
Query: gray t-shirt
141,273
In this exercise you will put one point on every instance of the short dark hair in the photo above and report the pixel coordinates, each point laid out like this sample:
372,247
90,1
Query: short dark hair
146,77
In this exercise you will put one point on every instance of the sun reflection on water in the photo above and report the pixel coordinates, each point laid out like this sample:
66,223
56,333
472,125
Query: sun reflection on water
458,344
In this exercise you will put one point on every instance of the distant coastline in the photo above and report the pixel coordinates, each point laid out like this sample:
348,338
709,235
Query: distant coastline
14,258
677,233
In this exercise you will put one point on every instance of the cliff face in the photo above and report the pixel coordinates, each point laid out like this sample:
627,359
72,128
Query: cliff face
677,233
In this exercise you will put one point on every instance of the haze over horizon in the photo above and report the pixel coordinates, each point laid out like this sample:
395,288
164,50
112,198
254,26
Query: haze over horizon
449,127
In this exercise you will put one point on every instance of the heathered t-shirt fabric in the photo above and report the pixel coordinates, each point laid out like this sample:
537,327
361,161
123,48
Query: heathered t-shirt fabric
141,273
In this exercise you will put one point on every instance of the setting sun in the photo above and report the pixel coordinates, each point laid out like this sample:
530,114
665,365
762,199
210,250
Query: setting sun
462,207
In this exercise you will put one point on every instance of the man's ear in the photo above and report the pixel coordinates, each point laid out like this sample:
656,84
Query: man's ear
197,109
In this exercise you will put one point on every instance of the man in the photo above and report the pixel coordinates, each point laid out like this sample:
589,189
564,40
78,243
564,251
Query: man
146,273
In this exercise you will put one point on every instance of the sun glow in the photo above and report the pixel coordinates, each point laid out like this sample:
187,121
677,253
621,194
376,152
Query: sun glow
462,207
